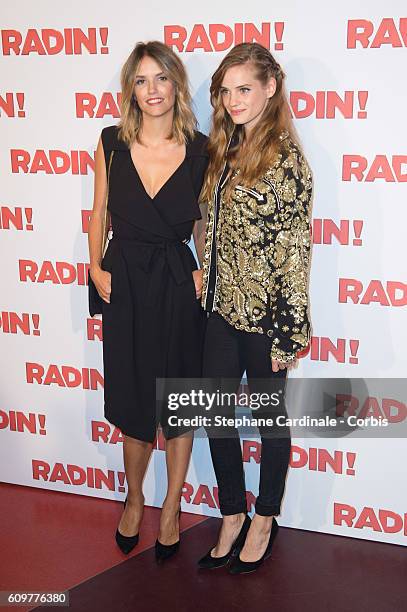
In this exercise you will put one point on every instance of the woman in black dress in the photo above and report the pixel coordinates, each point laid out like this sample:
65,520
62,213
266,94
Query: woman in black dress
259,187
152,165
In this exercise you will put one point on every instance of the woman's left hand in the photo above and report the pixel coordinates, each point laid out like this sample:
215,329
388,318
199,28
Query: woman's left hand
279,365
198,279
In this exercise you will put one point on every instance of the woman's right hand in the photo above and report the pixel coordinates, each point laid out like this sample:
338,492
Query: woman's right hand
103,282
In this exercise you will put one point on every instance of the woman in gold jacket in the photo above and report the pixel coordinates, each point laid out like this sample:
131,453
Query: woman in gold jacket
255,277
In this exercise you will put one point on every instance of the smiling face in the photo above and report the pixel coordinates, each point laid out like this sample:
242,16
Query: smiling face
154,91
244,96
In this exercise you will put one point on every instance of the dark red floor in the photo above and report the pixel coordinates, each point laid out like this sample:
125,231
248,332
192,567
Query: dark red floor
52,540
63,541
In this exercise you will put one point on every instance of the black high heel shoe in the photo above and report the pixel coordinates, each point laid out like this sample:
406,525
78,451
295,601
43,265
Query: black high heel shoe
126,543
209,562
245,567
165,551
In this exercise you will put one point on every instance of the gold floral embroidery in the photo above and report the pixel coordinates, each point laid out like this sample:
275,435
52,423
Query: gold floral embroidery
263,245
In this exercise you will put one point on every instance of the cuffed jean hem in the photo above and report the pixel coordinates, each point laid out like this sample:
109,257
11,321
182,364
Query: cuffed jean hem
263,510
228,509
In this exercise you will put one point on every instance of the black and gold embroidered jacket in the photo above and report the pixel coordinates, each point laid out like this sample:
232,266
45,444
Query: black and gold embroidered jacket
257,253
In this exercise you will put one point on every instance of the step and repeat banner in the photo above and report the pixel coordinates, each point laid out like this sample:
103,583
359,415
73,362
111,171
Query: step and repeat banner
345,67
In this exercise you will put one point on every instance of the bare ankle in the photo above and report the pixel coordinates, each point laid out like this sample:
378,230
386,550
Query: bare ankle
262,523
135,498
171,505
231,520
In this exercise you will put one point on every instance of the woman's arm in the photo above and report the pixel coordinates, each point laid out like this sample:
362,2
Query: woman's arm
291,259
199,232
198,169
100,277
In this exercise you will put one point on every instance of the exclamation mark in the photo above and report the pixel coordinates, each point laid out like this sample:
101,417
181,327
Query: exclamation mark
279,30
121,476
20,102
354,347
104,49
29,216
362,95
41,419
350,458
36,324
357,228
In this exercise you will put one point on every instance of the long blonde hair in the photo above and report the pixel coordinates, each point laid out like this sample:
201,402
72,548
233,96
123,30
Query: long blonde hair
130,123
264,144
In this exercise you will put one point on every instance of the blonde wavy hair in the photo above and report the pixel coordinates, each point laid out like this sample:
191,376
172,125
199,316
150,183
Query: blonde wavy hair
184,122
264,144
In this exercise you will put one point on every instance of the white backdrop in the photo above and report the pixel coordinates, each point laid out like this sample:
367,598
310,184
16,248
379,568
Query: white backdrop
345,65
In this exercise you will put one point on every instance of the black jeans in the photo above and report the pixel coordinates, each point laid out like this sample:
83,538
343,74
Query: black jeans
228,352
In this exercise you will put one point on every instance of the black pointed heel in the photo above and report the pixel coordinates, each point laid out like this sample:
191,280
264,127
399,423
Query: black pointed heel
245,567
209,562
165,551
126,543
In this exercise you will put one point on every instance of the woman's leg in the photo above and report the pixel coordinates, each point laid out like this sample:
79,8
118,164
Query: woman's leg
177,454
136,455
222,361
276,446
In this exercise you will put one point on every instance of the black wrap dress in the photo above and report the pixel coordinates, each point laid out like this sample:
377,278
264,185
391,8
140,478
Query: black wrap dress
154,325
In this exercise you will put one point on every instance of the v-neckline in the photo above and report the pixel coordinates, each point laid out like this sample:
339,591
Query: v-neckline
152,199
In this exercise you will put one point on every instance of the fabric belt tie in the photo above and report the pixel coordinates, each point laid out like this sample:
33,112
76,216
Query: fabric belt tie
172,255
